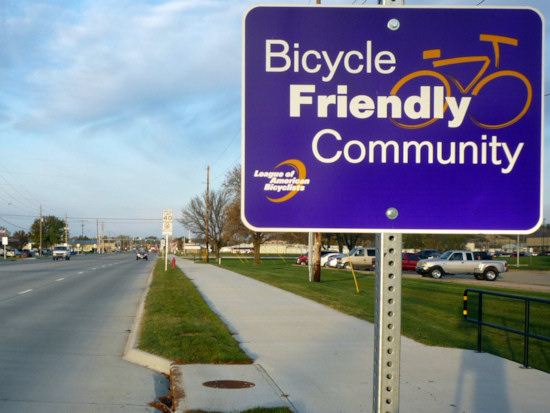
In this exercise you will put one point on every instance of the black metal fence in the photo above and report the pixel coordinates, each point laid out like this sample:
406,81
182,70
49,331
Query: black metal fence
525,332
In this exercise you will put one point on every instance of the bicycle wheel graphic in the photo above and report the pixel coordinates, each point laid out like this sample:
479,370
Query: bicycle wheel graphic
524,93
409,83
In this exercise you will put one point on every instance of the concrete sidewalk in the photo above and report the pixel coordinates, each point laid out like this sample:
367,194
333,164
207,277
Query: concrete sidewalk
316,360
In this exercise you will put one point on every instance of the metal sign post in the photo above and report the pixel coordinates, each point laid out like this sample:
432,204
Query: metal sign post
5,243
310,255
387,323
167,229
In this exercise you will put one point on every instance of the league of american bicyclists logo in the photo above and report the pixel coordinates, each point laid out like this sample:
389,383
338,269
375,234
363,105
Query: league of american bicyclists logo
287,179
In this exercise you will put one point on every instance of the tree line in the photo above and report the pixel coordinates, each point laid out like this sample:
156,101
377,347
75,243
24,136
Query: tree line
226,227
53,232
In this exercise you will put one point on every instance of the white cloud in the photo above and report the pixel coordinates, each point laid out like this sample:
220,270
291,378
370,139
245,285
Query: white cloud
129,99
109,65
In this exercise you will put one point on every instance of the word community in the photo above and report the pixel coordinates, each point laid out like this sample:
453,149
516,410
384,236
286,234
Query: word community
486,152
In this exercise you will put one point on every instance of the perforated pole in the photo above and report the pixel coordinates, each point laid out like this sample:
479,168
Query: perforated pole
387,318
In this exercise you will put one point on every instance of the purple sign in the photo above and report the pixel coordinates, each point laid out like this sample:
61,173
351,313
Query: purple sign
377,119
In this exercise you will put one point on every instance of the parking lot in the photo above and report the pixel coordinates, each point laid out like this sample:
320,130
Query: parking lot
513,278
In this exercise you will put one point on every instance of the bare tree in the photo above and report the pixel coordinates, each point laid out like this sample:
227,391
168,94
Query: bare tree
349,239
193,217
235,228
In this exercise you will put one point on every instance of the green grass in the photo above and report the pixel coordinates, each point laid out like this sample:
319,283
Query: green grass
431,310
528,263
179,325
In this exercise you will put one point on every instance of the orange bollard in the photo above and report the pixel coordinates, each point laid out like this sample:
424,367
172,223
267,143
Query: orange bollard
173,262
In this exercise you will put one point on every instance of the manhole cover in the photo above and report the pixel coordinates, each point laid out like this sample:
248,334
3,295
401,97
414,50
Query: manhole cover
228,384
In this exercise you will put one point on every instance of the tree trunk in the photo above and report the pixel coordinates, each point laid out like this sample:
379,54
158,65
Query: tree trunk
317,257
257,243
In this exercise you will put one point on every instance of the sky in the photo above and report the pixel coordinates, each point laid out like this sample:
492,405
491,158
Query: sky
112,110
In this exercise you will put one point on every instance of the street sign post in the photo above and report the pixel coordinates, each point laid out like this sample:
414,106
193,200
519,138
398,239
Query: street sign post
402,119
5,243
167,229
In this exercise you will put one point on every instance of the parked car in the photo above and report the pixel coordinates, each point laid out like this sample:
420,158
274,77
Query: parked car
426,254
326,257
461,262
409,260
359,257
482,255
304,261
141,255
13,252
332,262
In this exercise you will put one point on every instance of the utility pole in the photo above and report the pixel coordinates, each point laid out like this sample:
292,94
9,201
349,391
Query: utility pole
66,231
318,236
207,209
40,244
82,225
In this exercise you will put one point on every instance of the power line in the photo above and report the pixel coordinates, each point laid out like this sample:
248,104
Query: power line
227,147
12,224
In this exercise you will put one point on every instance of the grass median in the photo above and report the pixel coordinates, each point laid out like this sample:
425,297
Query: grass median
431,309
179,325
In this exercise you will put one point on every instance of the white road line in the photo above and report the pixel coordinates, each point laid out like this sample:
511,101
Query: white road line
25,292
60,279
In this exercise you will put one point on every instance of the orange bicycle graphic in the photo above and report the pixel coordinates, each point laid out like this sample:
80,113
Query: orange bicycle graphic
475,87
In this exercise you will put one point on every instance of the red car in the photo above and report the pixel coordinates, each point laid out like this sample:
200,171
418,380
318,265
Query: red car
409,261
302,260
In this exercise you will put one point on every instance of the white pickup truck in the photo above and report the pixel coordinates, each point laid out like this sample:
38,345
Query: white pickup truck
61,252
461,262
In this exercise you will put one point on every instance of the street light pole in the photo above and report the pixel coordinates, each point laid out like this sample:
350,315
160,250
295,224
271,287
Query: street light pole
40,243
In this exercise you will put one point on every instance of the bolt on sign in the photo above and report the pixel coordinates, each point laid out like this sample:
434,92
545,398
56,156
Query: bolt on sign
402,119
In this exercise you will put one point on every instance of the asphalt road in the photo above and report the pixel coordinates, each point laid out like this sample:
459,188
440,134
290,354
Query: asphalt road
63,328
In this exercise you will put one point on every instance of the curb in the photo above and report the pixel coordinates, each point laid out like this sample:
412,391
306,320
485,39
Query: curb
177,390
136,356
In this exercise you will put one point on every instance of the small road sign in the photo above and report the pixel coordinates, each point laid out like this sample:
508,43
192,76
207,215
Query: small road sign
167,215
167,221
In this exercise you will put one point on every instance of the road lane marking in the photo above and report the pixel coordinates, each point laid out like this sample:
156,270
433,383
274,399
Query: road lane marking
25,292
60,279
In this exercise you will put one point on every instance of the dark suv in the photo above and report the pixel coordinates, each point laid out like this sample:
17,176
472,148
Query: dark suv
428,254
482,255
141,255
